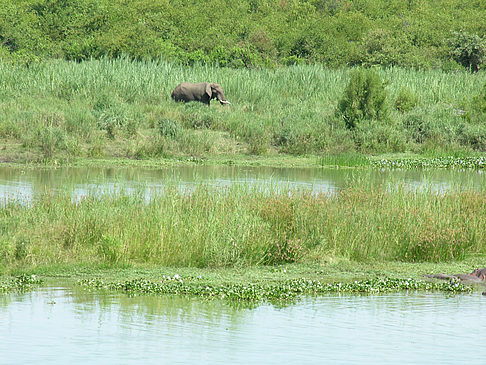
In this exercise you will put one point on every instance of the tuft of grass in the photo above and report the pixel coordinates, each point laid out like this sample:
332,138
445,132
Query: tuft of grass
406,100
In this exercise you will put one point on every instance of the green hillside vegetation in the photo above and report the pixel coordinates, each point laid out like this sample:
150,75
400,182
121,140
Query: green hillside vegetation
443,34
92,78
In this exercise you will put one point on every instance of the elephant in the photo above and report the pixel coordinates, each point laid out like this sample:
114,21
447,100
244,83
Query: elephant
477,275
203,92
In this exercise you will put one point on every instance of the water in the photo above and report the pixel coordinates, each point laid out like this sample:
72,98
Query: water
64,325
57,325
24,184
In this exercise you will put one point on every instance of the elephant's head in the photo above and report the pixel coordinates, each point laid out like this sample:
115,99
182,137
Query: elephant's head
215,91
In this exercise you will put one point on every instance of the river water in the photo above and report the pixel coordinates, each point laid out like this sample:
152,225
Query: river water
24,184
56,325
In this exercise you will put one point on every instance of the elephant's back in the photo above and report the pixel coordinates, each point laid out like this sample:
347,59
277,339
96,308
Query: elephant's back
180,90
190,85
183,88
189,91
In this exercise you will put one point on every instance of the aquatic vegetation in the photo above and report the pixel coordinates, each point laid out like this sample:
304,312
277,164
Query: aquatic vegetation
439,162
345,159
281,291
20,283
243,226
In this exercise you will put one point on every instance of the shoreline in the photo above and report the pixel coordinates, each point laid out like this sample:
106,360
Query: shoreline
387,161
255,284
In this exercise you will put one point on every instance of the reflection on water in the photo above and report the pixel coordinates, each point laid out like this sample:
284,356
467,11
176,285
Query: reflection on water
23,184
61,325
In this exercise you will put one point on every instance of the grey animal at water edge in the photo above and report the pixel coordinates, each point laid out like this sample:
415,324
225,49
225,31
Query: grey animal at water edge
478,275
202,91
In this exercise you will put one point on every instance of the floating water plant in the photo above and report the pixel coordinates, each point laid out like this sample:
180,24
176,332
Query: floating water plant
20,283
439,162
285,290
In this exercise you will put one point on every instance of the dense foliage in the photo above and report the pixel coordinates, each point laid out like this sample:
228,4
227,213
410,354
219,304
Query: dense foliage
364,98
249,33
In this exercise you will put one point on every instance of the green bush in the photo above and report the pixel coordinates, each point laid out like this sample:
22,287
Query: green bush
50,138
296,140
365,98
406,100
473,136
198,116
114,115
377,137
468,49
479,101
169,128
417,127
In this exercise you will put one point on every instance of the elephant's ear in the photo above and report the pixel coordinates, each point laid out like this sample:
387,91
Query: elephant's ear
208,90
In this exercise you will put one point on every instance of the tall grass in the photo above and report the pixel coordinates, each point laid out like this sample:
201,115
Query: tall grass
66,109
240,225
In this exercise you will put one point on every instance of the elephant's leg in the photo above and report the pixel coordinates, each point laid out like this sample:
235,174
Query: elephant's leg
205,99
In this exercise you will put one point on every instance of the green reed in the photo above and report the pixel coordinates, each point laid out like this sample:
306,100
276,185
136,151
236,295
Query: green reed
216,227
60,109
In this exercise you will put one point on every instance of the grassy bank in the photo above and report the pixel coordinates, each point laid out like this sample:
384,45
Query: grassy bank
63,112
242,226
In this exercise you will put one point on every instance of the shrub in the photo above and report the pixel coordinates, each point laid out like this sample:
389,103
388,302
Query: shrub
417,127
169,128
473,136
295,141
50,138
258,140
112,114
80,121
406,100
198,116
479,101
364,99
468,49
379,137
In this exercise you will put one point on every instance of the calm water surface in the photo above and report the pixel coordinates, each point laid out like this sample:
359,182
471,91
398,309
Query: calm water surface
23,184
70,326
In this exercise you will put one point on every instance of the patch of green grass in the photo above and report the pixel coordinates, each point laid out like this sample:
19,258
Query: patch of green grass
345,159
254,284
